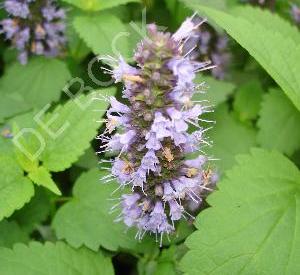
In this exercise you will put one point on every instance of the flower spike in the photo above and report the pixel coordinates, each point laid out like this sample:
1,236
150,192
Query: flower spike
154,134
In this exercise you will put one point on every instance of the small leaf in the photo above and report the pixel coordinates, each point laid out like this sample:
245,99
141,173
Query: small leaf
96,5
34,212
11,233
88,160
279,123
15,189
253,224
23,88
272,41
42,177
86,219
113,33
52,259
247,100
230,137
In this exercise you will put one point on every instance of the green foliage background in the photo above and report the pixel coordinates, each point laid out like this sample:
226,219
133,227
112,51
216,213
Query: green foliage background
54,212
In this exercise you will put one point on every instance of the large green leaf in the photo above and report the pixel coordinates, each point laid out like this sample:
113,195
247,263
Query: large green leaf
52,259
272,41
11,233
104,33
86,219
34,85
247,100
15,189
279,123
229,137
88,160
61,136
96,5
252,226
76,121
34,212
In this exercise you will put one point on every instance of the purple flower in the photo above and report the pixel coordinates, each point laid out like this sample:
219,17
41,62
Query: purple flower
22,38
152,141
9,28
158,221
32,31
130,210
178,121
197,162
295,12
139,178
122,170
127,138
115,121
130,200
179,138
175,210
187,28
123,70
114,144
150,162
169,192
153,134
50,13
184,70
17,8
161,126
117,107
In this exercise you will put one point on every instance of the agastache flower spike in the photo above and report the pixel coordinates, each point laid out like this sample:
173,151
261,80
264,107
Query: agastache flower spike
295,13
34,27
153,133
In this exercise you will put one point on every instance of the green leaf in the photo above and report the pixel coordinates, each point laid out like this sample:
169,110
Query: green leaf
62,136
230,137
11,233
178,10
247,100
58,138
76,125
217,4
86,219
96,5
52,259
77,48
34,212
88,160
272,41
164,263
217,92
104,33
15,189
279,123
253,224
41,176
34,85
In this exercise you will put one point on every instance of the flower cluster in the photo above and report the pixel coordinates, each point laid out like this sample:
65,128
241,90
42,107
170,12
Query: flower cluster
34,27
154,137
206,44
295,13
